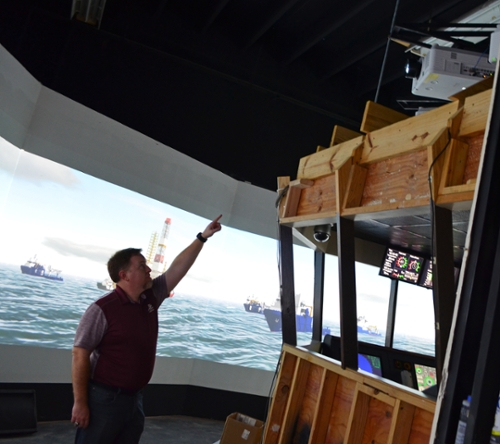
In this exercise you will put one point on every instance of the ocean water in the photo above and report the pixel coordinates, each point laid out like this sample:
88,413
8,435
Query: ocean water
37,311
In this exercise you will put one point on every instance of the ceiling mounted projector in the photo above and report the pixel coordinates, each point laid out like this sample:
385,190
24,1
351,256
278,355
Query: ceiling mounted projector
447,71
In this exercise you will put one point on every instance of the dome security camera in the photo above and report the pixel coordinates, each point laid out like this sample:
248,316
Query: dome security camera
322,232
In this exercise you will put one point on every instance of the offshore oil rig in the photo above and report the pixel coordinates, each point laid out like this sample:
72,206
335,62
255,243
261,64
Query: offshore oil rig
155,255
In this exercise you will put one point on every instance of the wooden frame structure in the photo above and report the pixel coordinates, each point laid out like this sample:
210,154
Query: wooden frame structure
395,166
386,169
316,401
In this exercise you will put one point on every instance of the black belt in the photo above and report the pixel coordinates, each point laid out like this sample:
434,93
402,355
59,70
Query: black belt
116,390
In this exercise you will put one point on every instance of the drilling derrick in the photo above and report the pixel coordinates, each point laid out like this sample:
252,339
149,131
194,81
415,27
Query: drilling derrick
153,242
158,265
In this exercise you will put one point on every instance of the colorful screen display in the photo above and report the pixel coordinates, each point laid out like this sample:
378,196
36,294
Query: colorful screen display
426,275
370,364
426,376
402,266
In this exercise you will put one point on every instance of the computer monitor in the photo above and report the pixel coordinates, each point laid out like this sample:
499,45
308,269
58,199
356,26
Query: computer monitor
425,279
369,363
426,376
402,266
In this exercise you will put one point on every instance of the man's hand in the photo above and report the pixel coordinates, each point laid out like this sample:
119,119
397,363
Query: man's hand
80,415
212,228
185,259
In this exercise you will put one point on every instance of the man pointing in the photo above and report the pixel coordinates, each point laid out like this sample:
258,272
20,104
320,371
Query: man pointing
115,345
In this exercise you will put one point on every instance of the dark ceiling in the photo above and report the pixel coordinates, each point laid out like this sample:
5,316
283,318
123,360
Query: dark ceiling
245,86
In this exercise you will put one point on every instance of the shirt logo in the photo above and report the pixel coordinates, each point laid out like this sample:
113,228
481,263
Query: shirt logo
150,308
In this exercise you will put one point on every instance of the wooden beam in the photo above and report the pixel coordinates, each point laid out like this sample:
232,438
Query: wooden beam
456,189
358,417
377,116
406,136
307,220
355,187
279,403
455,122
476,112
392,209
341,135
328,161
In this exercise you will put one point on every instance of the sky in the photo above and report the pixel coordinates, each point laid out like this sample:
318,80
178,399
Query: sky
75,222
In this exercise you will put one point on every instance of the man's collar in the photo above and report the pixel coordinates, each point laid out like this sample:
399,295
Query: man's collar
124,298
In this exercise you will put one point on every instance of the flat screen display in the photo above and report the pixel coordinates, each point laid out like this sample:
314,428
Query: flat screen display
426,376
426,275
403,266
370,364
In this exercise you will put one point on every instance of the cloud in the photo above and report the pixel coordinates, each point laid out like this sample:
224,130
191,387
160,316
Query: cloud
35,169
67,248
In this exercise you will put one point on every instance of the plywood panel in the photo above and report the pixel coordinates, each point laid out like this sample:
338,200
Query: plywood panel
421,427
324,407
378,423
342,403
321,197
309,403
473,157
396,180
476,111
293,196
454,164
295,399
402,421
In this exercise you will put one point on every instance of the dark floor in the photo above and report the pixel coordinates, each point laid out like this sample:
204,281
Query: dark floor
160,429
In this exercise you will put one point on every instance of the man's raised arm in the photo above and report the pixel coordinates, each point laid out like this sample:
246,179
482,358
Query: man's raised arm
185,259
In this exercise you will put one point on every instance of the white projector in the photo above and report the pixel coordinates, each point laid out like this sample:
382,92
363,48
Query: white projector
447,71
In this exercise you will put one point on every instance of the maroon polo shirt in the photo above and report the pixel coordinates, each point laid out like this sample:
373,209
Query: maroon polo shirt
122,336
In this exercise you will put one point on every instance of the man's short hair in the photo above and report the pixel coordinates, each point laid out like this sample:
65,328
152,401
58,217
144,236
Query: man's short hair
121,261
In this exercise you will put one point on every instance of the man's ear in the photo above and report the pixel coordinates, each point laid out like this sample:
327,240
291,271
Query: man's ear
122,274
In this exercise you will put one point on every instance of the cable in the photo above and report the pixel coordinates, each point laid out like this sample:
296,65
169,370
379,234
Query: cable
382,69
280,197
432,202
